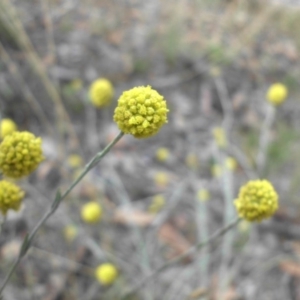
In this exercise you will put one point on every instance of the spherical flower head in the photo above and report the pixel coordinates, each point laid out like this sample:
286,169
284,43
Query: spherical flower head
74,161
141,112
106,274
101,92
220,137
91,212
203,195
161,179
7,127
157,204
162,154
257,200
192,161
216,170
10,196
20,154
70,233
230,163
277,93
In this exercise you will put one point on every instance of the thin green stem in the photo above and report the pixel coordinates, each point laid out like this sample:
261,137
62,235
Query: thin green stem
179,258
29,238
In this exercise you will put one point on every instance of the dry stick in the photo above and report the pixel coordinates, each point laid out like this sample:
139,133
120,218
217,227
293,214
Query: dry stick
55,204
27,92
179,258
39,68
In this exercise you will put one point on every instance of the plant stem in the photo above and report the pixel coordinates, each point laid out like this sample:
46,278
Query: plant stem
179,258
55,204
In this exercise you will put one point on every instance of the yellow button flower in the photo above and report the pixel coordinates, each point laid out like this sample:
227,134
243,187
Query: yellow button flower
70,233
220,137
162,154
101,92
203,195
257,200
277,93
230,163
161,179
20,154
141,112
106,274
10,196
7,127
91,212
74,161
157,204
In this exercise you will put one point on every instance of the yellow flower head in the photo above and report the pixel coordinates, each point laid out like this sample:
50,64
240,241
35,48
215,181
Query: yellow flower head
162,154
7,127
106,274
277,93
161,179
230,163
91,212
216,170
191,161
20,154
157,204
141,112
257,200
70,233
101,92
10,196
220,137
74,161
203,195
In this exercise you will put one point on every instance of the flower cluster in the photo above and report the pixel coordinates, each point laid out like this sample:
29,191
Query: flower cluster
101,92
158,202
277,93
257,200
10,196
141,112
7,127
91,212
106,274
20,154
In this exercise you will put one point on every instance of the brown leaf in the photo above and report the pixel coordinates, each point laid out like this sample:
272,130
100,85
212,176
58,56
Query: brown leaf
132,217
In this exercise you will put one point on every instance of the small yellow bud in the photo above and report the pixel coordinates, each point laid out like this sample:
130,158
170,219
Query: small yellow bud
91,212
191,161
7,127
74,161
230,163
70,233
277,93
203,195
216,170
162,154
106,274
161,179
101,92
220,137
157,204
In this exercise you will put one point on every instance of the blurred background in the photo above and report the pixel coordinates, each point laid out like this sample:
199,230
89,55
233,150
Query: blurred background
213,61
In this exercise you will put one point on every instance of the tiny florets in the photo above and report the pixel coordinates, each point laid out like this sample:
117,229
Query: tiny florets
101,92
257,200
7,127
10,196
141,112
277,93
91,212
20,154
106,274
